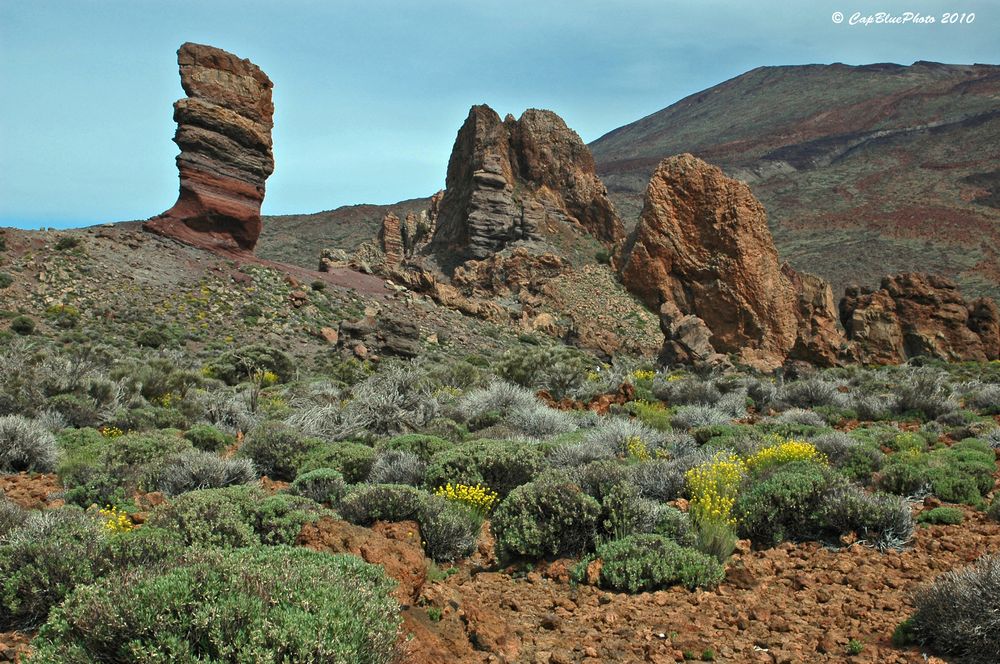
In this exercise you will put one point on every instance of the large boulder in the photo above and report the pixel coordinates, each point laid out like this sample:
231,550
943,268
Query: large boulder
511,180
224,133
702,245
915,314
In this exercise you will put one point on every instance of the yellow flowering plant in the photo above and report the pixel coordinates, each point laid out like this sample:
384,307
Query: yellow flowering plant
636,448
713,486
479,498
111,432
116,520
643,374
782,452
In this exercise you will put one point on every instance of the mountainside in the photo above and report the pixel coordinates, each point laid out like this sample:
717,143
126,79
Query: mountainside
863,170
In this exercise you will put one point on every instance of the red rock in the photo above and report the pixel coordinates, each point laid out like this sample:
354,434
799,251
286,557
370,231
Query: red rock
702,244
224,133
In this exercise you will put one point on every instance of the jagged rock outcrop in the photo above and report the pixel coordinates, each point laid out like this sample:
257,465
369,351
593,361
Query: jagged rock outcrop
914,314
702,244
820,338
224,133
502,274
511,180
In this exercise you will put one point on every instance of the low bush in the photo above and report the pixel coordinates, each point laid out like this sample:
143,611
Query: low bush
424,446
500,465
880,519
619,434
397,467
366,504
351,459
558,369
241,364
26,445
942,515
277,450
957,615
194,469
962,473
22,325
207,438
782,505
323,485
994,510
643,563
690,417
624,512
539,420
261,605
235,517
926,392
11,515
450,530
549,517
659,479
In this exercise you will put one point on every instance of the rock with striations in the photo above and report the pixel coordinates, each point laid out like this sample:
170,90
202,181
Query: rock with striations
702,245
820,338
511,180
224,133
915,314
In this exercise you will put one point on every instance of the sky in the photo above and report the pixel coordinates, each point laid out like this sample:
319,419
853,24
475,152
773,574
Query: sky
369,95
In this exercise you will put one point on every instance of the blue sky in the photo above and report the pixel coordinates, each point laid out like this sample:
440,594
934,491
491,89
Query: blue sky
369,95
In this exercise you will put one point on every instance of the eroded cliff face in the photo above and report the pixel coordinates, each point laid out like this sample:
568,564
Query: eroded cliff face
224,133
511,180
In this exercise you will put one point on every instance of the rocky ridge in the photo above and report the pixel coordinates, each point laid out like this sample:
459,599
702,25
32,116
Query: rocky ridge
224,133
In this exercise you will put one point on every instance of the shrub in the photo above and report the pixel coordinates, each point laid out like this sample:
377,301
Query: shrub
956,615
617,433
366,504
498,398
22,325
235,517
353,460
925,391
871,407
942,515
984,397
67,242
625,512
398,399
5,280
450,530
539,420
558,369
596,479
812,392
241,364
880,519
686,391
422,445
277,450
994,509
547,517
713,487
643,563
207,438
783,452
782,505
836,446
261,605
659,479
26,445
11,515
194,469
802,417
579,454
323,485
962,473
397,467
676,525
500,465
690,417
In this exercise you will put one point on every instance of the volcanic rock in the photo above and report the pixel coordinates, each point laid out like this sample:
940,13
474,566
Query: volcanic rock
516,180
915,314
224,133
509,272
820,339
702,245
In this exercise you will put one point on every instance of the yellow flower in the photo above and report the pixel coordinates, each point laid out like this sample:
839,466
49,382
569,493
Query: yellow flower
713,486
478,497
784,451
116,520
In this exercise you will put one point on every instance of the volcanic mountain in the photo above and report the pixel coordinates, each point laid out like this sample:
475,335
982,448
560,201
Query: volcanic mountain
863,170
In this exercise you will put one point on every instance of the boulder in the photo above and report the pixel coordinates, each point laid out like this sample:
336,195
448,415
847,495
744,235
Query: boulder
224,133
511,180
703,246
820,339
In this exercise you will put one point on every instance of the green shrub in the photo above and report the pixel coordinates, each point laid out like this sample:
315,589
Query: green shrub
241,364
22,325
942,515
450,530
366,504
956,615
253,605
675,524
994,509
422,445
277,450
11,515
500,465
207,438
782,505
5,280
881,519
353,460
962,473
643,563
194,469
323,485
235,517
77,409
625,512
67,242
46,556
26,445
558,369
549,517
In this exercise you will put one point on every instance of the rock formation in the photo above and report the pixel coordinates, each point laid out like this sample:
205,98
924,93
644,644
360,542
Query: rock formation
516,180
820,338
916,314
224,133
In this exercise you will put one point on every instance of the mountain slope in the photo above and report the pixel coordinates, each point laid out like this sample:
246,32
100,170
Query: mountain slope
863,170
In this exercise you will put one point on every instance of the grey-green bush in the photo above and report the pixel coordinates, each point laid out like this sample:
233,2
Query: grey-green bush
500,465
323,485
643,563
397,467
194,469
252,605
26,445
366,504
277,450
549,517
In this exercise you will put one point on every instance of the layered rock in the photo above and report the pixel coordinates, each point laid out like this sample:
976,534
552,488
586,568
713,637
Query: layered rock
511,180
820,338
224,133
916,314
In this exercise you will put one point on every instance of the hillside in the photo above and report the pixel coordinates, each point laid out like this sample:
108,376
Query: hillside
864,170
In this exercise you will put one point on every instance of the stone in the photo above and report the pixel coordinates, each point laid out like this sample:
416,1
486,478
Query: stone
224,134
702,245
915,314
820,338
511,180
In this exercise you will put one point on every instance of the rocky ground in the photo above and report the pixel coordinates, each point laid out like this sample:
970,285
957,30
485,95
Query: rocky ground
793,603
